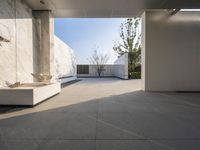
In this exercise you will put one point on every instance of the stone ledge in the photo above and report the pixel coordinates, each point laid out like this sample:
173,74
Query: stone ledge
28,96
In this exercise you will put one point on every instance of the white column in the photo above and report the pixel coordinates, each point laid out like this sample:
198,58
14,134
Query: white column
171,51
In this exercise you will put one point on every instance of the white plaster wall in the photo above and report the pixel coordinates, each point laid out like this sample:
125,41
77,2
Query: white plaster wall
16,55
65,62
121,67
171,51
118,69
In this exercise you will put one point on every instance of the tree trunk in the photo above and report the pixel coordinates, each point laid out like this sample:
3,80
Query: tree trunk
99,74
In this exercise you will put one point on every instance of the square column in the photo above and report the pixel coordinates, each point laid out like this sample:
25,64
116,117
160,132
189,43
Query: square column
170,51
43,43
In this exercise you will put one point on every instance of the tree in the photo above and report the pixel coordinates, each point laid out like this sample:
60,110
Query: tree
131,43
99,60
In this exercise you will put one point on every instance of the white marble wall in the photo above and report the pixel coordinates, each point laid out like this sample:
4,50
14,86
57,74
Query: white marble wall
24,42
20,45
16,53
121,67
43,41
64,59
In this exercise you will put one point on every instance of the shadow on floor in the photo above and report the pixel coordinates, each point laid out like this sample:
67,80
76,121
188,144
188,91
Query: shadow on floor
136,120
70,83
8,109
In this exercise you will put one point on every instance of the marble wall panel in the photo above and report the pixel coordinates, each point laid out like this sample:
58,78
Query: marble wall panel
64,62
7,42
24,42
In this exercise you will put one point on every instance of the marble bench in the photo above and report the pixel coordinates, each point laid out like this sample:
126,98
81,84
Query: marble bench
28,94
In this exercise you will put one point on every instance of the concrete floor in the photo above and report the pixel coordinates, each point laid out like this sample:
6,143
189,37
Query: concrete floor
104,114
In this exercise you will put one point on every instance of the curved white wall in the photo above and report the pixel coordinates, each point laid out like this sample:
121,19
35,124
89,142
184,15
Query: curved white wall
64,59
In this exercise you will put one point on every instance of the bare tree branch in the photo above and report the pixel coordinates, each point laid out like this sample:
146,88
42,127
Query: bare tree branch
99,60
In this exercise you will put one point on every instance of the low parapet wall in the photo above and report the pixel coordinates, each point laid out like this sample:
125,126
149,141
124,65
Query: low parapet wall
90,71
118,69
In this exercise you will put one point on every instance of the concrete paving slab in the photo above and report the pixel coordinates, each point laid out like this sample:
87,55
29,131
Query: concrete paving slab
176,144
77,126
67,145
122,124
105,113
123,145
20,144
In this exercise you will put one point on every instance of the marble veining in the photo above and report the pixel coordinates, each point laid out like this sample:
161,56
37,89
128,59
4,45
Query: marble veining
20,46
65,61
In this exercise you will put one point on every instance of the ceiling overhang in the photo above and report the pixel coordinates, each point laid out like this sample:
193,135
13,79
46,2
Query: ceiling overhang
107,8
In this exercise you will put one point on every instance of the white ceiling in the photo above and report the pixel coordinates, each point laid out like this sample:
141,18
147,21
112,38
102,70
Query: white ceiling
108,8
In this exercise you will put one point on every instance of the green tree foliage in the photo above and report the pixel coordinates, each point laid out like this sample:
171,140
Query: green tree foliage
99,60
130,43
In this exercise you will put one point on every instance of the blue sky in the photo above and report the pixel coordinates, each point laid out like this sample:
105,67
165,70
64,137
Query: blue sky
83,35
